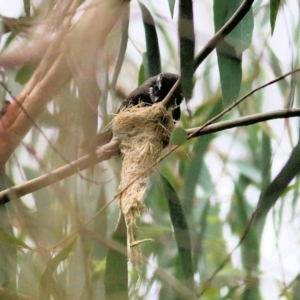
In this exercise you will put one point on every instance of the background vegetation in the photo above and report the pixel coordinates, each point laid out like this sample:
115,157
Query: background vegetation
222,210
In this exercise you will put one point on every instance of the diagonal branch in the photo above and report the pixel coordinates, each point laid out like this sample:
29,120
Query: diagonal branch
103,153
111,149
54,71
237,102
223,32
244,121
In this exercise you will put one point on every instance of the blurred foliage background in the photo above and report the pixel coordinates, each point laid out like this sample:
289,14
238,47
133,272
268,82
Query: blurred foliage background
61,242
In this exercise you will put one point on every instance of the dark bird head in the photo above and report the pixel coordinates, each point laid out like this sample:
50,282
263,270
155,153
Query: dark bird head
154,90
161,86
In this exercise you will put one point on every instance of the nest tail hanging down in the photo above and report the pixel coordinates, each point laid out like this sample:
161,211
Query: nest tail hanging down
143,132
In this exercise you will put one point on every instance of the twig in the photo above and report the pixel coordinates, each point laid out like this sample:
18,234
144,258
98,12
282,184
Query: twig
169,99
54,71
237,102
104,153
244,121
110,149
212,44
207,128
227,258
223,32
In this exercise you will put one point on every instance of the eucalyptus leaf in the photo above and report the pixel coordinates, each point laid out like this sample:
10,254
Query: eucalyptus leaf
274,7
152,45
142,74
116,273
47,284
23,75
230,50
278,186
178,137
187,46
171,6
12,240
181,229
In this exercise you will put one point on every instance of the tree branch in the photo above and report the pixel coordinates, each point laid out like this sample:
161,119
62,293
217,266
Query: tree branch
169,99
244,121
223,32
56,69
103,153
237,102
111,149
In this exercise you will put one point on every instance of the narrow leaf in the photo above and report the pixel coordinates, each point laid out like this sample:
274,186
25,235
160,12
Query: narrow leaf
192,173
8,250
187,46
27,7
181,229
48,286
23,75
171,6
142,73
123,44
230,69
153,54
229,51
277,187
116,274
178,136
274,7
12,240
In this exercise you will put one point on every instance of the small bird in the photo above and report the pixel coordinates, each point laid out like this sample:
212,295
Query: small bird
152,91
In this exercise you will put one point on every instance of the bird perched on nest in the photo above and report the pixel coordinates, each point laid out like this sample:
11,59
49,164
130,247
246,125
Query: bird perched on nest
152,91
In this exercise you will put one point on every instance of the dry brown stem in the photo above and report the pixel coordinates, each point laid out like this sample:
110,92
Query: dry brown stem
63,60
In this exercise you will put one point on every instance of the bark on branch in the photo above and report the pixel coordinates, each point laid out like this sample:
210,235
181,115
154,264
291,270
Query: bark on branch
112,148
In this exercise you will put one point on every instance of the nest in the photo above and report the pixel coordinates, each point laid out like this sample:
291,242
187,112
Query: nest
144,131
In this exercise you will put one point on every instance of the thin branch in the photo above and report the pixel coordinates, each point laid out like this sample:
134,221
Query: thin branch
237,102
54,71
223,32
208,282
245,121
90,159
111,149
103,153
169,99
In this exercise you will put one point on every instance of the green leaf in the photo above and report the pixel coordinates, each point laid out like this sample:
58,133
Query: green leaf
230,51
171,6
230,69
27,7
123,45
152,45
187,46
191,175
274,7
23,75
241,36
296,288
47,285
12,240
181,229
178,136
116,274
8,251
278,186
266,161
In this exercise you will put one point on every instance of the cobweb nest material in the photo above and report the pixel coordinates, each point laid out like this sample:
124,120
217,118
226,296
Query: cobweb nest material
143,131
